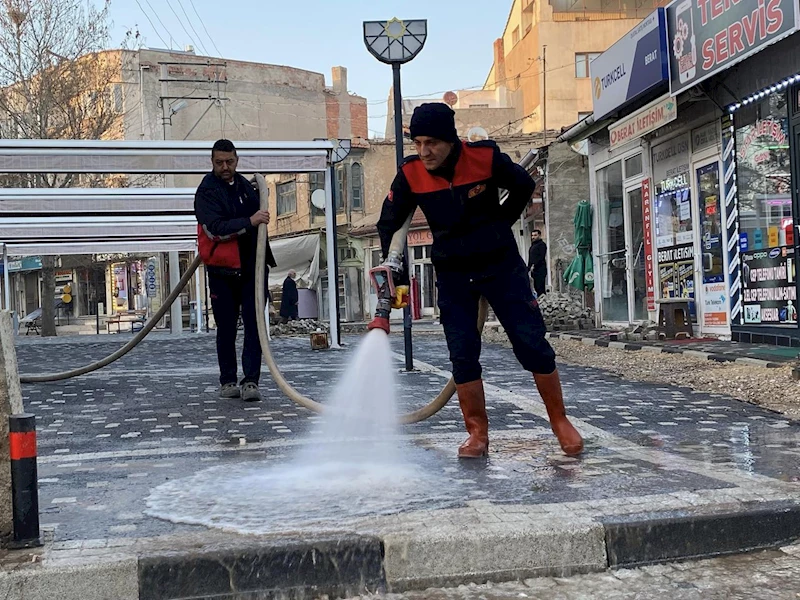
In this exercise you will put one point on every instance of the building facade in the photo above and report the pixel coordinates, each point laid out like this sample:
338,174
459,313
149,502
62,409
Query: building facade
695,180
160,94
544,54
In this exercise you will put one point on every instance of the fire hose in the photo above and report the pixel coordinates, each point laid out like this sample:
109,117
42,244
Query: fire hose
397,244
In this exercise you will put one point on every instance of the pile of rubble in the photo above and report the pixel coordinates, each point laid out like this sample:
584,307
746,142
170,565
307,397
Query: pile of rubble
636,333
566,312
302,327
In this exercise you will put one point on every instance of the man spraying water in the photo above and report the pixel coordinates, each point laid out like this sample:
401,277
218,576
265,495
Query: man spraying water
474,253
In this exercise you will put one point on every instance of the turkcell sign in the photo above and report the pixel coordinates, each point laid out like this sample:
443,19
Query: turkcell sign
637,63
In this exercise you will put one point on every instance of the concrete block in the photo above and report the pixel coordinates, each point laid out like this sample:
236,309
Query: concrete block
454,554
10,403
104,580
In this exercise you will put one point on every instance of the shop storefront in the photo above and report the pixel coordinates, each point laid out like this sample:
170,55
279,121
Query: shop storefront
720,179
766,132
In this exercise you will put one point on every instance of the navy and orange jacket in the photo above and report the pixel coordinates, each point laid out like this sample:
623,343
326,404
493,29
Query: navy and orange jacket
226,240
461,201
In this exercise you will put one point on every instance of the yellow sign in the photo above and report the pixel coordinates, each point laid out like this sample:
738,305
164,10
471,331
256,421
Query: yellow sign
66,298
773,237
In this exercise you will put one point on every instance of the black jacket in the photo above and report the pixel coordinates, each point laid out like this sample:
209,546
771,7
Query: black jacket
461,201
215,209
537,255
289,298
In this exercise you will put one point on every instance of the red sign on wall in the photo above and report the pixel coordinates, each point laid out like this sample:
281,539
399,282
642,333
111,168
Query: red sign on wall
649,267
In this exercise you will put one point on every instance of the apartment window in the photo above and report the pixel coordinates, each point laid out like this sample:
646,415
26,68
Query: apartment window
356,187
515,36
287,198
582,61
316,181
340,189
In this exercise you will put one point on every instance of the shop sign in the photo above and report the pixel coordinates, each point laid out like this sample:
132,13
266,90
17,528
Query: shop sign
706,136
715,299
676,272
708,36
420,238
769,278
634,65
649,267
650,118
151,279
27,263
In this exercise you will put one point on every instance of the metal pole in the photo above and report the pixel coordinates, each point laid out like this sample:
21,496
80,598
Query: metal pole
24,481
336,253
6,288
398,140
198,301
330,236
544,92
175,311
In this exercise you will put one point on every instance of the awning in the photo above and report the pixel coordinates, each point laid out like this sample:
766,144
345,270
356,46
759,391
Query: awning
300,254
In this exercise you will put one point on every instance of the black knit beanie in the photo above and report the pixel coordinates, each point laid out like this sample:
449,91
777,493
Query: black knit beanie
436,120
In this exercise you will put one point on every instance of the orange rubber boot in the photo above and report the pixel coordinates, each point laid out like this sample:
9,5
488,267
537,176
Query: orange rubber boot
473,407
550,389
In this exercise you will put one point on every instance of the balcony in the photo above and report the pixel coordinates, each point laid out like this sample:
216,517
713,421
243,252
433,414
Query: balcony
603,10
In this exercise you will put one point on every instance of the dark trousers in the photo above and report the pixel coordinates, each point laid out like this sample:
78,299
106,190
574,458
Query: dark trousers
539,281
507,288
230,296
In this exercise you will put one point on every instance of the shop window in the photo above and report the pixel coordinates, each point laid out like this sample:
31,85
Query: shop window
356,187
633,166
582,61
287,198
766,223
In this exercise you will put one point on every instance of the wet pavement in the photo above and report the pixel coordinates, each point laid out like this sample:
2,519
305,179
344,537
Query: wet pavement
141,461
770,575
108,438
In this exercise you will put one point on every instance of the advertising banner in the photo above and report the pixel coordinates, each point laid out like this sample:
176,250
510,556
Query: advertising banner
649,266
632,66
770,290
707,36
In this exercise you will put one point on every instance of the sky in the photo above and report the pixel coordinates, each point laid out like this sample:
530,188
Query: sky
319,34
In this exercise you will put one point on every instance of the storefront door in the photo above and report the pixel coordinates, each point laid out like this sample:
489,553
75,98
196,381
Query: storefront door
622,251
712,307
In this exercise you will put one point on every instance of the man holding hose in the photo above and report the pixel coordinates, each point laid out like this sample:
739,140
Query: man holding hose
228,215
456,185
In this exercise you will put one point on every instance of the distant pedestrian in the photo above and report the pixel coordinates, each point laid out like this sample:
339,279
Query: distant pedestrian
537,262
289,298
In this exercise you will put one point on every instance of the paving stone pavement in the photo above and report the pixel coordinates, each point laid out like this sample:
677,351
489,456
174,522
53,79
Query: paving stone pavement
768,575
107,439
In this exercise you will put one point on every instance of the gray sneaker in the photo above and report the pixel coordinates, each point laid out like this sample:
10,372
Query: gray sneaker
250,392
229,390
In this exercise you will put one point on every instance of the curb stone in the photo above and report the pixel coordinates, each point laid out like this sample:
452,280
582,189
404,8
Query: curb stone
717,357
397,562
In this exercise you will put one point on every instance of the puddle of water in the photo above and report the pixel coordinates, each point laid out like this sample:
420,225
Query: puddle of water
356,467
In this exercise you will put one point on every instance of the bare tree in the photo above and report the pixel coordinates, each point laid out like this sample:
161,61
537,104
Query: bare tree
58,80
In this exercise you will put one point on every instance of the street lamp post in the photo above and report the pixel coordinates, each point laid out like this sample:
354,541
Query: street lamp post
396,42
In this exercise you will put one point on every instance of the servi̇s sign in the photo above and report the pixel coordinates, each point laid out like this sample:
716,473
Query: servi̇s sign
707,36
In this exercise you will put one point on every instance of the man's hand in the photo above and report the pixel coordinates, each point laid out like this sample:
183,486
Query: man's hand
262,216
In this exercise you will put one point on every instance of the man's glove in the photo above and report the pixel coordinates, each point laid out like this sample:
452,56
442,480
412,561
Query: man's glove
401,296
